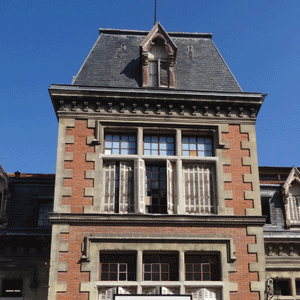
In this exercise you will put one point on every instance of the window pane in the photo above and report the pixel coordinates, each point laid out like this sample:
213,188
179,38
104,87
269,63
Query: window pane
147,276
188,267
164,268
113,268
163,146
123,267
114,146
105,267
197,276
185,147
155,267
164,276
124,138
147,267
122,276
155,276
197,268
197,146
113,276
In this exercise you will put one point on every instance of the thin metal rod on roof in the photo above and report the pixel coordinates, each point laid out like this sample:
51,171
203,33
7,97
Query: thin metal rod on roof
155,13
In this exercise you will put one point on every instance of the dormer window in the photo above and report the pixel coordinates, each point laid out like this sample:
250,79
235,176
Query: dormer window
158,57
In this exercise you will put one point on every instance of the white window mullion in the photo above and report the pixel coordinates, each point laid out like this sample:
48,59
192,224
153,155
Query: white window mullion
140,187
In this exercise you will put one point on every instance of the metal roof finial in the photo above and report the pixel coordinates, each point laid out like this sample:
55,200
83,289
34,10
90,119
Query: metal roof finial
155,13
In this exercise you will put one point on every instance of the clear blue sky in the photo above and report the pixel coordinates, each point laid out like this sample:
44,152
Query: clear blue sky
45,42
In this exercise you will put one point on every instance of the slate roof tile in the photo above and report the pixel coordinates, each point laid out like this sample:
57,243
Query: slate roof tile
114,61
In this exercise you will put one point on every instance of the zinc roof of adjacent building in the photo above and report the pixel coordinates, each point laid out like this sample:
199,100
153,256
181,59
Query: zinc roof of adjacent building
114,61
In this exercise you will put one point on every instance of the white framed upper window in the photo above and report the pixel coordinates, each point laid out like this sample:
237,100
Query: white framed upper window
197,146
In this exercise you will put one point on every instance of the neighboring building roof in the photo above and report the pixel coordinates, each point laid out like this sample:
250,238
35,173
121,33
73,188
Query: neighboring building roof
114,61
30,176
273,175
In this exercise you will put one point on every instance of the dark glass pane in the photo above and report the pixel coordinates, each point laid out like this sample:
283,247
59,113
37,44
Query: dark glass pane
155,276
164,276
104,276
147,268
123,267
104,268
197,276
189,268
197,268
122,276
147,276
206,276
113,268
205,268
113,276
189,276
155,268
164,268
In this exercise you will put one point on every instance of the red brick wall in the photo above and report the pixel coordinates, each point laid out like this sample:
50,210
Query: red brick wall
79,166
237,170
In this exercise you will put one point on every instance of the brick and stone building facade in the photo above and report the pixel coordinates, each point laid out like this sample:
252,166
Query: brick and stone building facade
156,168
157,186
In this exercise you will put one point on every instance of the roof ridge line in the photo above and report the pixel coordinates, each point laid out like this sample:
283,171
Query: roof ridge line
144,32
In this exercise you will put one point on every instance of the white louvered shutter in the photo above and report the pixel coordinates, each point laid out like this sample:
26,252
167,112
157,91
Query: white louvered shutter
109,198
293,210
125,290
197,189
108,294
126,192
204,294
170,188
152,291
168,291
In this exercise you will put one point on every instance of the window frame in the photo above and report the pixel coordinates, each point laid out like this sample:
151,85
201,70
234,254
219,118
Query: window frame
46,221
158,63
175,164
14,293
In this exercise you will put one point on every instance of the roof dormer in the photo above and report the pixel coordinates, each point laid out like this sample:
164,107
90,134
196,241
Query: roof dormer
291,198
158,54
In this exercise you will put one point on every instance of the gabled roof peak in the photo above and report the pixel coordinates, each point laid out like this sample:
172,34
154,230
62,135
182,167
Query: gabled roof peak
158,32
293,176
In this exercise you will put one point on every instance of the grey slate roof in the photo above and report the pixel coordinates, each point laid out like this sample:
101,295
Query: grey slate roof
114,61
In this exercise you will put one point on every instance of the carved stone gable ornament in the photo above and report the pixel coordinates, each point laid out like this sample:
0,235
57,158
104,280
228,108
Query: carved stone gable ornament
158,55
291,199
